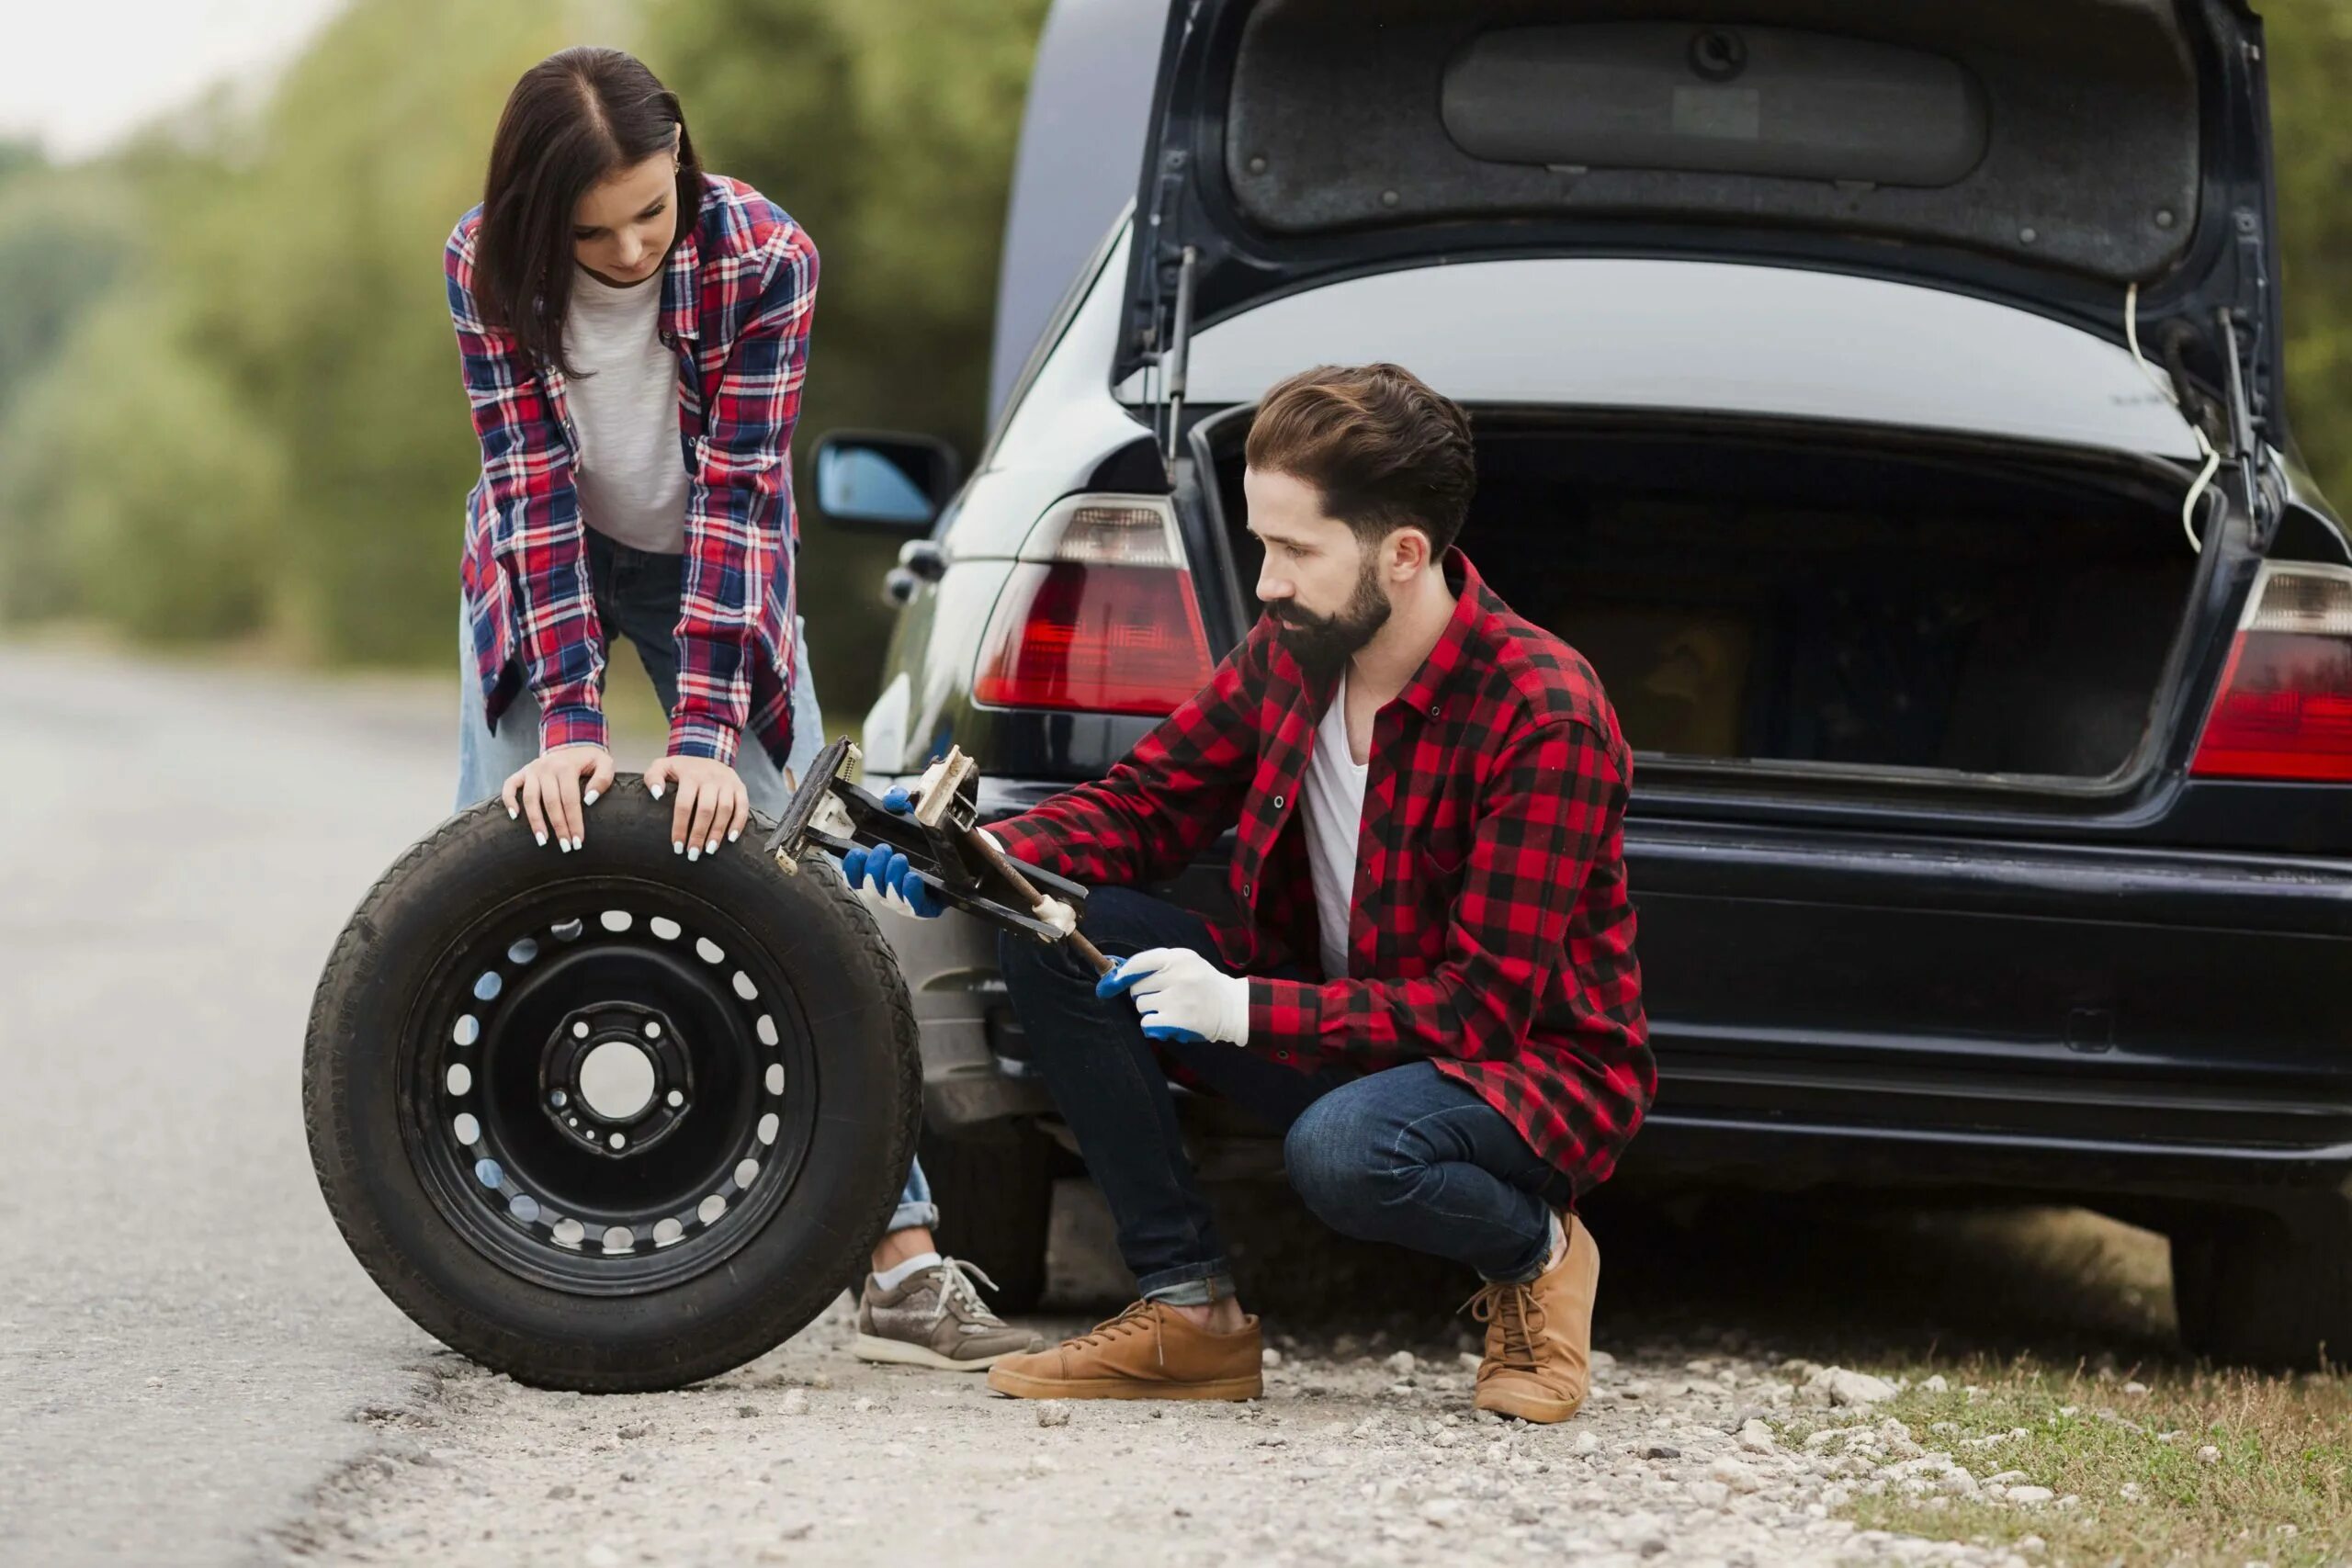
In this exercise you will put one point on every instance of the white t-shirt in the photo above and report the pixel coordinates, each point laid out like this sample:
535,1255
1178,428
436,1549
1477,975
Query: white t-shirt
1334,806
624,400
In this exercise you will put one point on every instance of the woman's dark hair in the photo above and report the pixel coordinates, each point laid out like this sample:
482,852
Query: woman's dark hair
574,118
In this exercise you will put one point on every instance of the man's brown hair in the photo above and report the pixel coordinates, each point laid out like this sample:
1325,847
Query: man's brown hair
1386,449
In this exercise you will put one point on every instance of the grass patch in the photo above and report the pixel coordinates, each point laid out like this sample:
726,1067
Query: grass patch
2277,1487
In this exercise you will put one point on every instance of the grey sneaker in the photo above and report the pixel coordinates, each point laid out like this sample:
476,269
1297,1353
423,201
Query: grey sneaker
936,1318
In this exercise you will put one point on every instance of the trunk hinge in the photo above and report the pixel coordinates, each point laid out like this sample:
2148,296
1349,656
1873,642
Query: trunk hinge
1173,360
2249,452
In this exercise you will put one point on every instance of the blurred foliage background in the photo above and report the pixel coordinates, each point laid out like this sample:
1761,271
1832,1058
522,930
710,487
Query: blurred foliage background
229,409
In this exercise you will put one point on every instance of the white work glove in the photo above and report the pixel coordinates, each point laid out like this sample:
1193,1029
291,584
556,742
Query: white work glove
1182,996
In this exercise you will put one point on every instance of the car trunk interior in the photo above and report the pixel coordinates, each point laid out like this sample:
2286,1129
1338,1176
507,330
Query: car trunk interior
1847,600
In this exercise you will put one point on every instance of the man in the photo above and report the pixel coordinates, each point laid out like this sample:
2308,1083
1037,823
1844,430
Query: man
1429,979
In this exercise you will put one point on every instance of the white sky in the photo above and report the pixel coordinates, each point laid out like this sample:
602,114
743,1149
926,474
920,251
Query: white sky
79,74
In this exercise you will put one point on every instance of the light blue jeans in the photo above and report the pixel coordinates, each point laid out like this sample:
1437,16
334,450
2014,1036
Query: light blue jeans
637,597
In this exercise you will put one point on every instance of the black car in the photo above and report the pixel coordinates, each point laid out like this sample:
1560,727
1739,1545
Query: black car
1887,401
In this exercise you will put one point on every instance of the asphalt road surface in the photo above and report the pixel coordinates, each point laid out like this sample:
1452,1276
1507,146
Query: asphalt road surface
183,1338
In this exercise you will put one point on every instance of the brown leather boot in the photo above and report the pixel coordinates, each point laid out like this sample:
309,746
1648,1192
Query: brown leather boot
1539,1336
1150,1351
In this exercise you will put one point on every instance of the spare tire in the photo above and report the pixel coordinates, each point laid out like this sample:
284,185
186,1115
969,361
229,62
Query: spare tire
610,1121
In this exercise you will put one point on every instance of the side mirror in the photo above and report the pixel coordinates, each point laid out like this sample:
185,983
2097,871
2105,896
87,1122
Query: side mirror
885,481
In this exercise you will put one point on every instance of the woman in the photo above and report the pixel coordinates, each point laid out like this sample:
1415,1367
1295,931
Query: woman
634,334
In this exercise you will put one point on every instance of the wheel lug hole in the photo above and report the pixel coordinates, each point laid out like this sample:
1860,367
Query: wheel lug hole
558,1100
652,1030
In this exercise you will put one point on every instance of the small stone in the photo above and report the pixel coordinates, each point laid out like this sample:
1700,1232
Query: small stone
1042,1464
155,1383
2136,1389
2032,1546
2031,1496
1269,1358
1709,1493
796,1401
1471,1361
1602,1361
2208,1454
1053,1413
1756,1438
1661,1450
561,1490
747,1411
1586,1443
1442,1512
2007,1478
1652,1545
1936,1385
631,1433
1840,1386
864,1406
2129,1492
1401,1364
821,1380
1734,1475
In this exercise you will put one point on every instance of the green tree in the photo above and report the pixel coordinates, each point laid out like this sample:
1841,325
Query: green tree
885,127
2310,55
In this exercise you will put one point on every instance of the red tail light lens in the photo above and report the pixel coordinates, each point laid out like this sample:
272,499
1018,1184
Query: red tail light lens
1100,615
2285,707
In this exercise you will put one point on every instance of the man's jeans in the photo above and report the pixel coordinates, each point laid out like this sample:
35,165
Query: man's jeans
1406,1155
637,598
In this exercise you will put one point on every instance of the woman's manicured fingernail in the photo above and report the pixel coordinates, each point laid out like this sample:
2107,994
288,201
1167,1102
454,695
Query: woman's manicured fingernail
655,790
714,845
695,854
677,846
588,799
733,834
581,842
514,814
543,840
564,844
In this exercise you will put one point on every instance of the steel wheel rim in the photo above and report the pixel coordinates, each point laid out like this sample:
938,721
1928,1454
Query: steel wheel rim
535,1196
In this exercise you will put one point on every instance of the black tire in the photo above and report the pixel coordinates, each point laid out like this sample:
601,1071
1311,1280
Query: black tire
995,1194
2267,1287
619,1315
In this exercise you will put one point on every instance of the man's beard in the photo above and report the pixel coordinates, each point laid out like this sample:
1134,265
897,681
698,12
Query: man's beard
1322,644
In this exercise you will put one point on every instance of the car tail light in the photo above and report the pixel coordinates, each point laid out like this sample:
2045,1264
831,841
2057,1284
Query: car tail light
2285,707
1100,615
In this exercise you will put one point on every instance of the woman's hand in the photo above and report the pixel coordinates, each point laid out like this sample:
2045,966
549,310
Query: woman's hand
547,790
713,806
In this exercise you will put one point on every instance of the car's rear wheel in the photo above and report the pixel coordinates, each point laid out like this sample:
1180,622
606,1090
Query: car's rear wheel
2267,1287
611,1121
995,1193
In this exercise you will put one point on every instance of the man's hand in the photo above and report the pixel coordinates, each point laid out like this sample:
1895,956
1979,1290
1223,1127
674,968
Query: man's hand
713,806
547,790
1182,996
888,873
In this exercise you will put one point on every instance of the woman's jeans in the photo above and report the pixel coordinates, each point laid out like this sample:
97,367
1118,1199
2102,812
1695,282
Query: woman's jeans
637,598
1406,1155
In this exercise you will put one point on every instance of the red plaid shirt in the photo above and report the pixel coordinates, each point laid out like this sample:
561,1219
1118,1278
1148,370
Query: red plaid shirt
1492,932
736,299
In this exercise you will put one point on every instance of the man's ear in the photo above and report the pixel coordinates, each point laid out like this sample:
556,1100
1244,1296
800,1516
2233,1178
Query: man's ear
1408,551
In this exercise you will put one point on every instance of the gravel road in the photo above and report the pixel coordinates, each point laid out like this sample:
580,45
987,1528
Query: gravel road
1365,1450
193,1370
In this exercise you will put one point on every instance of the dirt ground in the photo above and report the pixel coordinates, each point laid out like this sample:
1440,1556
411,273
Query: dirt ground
1365,1449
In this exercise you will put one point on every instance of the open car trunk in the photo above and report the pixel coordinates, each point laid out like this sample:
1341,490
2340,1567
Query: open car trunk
1850,600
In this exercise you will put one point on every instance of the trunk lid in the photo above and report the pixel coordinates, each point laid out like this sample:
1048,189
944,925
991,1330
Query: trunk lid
2050,153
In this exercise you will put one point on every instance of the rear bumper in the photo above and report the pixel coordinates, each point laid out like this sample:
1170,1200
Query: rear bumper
2059,1019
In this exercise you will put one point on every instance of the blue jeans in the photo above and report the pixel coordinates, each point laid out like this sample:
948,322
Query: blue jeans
1406,1155
637,598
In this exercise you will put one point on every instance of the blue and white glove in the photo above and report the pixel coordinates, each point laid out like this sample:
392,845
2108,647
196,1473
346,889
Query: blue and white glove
887,872
1181,996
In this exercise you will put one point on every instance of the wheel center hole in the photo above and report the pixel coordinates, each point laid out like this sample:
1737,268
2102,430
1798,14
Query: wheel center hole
617,1080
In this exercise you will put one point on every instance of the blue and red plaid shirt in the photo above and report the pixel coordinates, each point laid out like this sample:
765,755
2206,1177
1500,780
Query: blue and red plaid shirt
737,296
1492,934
